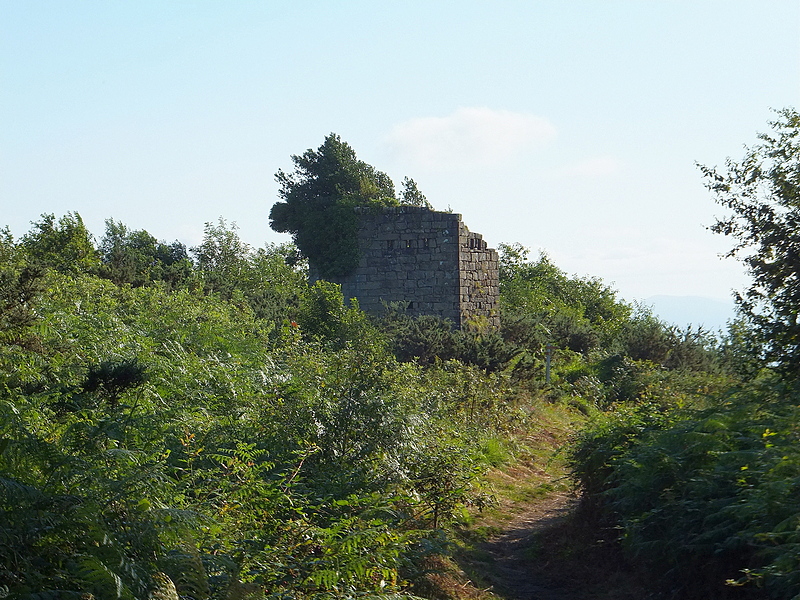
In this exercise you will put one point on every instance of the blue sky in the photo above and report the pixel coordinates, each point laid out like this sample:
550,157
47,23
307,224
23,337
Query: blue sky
570,127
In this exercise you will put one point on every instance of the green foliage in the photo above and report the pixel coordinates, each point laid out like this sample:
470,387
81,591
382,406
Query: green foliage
429,339
172,442
424,338
323,316
344,412
318,202
705,492
546,306
20,286
64,245
265,277
441,476
110,379
229,431
599,448
275,282
740,351
762,191
222,258
123,471
705,498
137,258
411,195
604,350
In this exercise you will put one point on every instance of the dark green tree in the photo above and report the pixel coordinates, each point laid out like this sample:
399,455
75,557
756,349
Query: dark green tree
318,201
137,258
20,287
763,194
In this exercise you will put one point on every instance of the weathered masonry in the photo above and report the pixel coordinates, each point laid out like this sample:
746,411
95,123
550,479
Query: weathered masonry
427,260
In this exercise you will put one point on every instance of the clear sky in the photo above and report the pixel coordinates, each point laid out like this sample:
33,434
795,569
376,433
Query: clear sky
570,127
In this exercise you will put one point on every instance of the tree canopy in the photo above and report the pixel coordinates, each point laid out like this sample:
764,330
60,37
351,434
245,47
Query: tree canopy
318,199
64,244
137,258
763,193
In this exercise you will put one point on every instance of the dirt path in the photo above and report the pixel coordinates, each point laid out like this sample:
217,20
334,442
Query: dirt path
513,562
542,554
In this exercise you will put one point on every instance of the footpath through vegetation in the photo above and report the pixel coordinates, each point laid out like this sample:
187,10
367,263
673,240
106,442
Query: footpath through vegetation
534,542
202,423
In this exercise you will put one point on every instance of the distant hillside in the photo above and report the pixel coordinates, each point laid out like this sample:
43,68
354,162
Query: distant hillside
693,310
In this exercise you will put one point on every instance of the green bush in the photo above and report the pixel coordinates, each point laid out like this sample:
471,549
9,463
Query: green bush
708,500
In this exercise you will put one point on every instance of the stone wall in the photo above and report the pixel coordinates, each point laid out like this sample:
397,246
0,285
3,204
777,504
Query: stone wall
479,274
428,261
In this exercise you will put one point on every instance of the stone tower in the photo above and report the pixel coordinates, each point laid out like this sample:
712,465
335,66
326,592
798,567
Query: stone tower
427,260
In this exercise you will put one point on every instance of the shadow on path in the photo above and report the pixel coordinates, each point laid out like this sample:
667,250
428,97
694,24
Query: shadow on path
543,555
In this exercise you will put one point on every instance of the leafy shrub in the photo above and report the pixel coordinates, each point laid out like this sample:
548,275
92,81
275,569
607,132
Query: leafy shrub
270,280
322,316
428,339
597,450
425,338
706,499
117,484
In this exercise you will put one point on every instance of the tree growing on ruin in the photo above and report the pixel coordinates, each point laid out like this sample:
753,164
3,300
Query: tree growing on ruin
318,201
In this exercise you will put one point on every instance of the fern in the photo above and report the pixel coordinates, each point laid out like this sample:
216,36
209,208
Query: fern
15,492
163,588
185,568
101,579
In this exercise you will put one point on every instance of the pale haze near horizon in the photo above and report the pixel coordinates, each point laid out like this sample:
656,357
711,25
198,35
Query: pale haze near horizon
572,128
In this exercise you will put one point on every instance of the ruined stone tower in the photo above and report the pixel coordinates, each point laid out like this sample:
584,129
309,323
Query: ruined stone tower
428,261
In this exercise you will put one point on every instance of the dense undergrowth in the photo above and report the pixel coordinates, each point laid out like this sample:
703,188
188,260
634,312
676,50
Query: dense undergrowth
202,423
213,427
705,487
